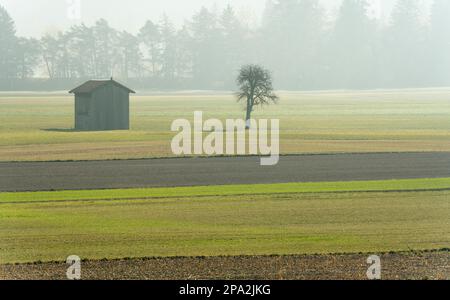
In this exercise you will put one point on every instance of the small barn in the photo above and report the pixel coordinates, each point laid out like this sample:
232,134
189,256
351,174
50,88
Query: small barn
102,105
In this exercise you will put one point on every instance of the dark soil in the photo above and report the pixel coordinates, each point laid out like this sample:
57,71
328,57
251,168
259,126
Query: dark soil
44,176
395,266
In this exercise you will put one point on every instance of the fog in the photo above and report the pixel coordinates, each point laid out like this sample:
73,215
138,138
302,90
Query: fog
37,17
201,44
130,15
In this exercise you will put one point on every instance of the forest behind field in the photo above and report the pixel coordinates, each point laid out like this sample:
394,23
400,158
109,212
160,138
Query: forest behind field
296,40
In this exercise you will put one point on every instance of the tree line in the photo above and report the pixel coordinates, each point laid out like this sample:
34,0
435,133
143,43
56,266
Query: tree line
296,41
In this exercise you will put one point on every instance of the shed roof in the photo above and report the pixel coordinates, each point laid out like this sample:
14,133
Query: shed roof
91,85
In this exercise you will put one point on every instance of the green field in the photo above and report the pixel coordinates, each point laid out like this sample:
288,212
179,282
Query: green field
293,218
229,190
300,218
36,127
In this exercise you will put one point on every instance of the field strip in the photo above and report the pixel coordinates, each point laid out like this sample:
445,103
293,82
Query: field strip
149,258
169,173
396,266
411,185
292,220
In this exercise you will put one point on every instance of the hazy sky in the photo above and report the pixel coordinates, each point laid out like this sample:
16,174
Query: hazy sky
36,17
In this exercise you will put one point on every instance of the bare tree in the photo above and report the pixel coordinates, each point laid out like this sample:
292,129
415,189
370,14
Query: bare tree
255,84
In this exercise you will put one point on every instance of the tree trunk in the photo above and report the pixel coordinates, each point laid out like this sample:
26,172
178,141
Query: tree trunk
249,114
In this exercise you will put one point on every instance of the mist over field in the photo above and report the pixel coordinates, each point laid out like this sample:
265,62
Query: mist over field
201,44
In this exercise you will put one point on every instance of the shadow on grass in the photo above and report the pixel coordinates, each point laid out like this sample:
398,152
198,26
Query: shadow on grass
67,130
62,130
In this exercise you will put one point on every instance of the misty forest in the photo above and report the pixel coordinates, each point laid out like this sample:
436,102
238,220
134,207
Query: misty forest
295,40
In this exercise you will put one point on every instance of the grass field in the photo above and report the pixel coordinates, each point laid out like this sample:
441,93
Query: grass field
245,223
38,127
229,190
238,220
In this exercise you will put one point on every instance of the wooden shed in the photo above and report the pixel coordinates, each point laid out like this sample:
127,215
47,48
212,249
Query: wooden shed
102,105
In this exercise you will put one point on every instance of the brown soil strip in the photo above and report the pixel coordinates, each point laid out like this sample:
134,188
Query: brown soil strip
395,266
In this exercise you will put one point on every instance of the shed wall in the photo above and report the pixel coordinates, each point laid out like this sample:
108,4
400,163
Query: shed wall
108,109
